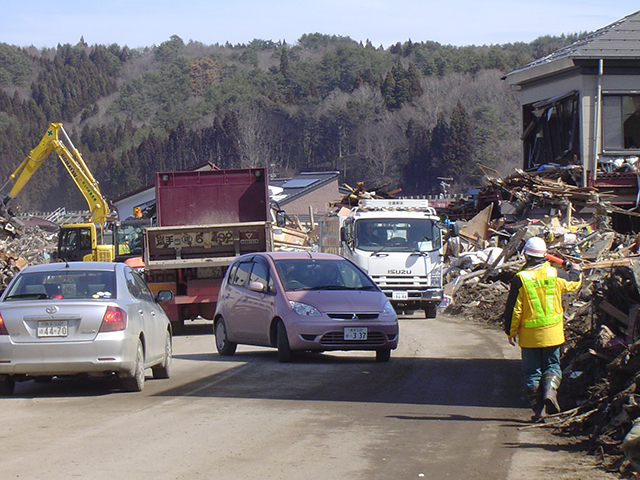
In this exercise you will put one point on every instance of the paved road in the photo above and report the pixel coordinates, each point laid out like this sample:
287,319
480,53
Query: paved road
448,405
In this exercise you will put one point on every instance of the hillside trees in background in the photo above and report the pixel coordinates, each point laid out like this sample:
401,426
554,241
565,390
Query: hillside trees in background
400,117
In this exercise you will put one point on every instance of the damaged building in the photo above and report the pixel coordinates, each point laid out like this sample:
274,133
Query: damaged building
581,106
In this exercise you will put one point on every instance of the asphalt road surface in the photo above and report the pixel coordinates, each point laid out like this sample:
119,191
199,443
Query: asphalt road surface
448,405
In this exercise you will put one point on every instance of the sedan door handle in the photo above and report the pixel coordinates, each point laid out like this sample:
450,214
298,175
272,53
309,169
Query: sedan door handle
140,312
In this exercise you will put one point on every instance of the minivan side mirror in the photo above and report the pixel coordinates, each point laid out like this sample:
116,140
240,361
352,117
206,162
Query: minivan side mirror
256,287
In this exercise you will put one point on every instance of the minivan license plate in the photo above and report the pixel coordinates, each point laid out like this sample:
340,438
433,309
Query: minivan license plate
355,333
53,328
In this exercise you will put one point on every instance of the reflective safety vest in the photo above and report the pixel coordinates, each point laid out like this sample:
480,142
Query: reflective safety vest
543,315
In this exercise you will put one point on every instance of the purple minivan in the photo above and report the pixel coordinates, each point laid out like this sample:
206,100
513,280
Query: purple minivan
302,301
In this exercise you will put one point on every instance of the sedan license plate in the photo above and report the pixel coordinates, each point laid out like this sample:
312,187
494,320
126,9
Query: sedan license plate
355,333
53,328
400,296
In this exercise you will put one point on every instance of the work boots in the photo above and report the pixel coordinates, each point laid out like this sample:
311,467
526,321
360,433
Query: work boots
550,385
534,394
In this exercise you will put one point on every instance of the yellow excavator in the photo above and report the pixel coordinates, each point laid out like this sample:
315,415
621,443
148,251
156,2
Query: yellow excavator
77,242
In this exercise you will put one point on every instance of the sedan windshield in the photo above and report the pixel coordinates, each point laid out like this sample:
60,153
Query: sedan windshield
63,284
314,274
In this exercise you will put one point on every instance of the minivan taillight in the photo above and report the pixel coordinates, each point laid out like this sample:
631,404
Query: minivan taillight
115,319
3,327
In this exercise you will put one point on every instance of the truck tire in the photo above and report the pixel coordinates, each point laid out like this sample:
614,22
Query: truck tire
178,327
224,346
430,310
7,386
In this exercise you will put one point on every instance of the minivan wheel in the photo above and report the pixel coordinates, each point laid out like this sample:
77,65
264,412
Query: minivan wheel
225,347
284,349
383,355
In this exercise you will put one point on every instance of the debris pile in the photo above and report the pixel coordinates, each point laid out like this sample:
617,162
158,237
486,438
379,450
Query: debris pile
600,392
33,246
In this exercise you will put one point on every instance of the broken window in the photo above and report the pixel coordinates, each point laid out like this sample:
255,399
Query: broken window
552,131
621,122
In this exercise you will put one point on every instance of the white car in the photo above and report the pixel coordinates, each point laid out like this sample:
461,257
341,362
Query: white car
96,318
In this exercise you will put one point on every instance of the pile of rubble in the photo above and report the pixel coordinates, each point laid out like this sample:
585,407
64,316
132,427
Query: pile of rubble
600,392
33,246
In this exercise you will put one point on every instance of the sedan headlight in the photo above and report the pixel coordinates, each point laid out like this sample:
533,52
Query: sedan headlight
304,309
388,309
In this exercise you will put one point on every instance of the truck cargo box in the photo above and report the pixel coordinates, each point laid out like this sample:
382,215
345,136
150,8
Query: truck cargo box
212,197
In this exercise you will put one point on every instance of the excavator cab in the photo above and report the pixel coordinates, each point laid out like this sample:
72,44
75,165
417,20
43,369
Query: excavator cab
83,242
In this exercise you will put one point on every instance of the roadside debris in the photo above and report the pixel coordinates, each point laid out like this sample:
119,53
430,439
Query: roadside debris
600,391
33,246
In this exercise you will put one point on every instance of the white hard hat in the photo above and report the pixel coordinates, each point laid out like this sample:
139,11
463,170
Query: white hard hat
535,247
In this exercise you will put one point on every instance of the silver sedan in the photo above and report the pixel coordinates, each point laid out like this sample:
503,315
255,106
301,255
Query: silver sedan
95,318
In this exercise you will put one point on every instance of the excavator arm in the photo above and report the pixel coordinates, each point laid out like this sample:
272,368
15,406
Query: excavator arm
73,162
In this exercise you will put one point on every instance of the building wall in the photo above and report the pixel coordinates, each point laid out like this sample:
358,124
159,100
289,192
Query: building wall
318,199
125,206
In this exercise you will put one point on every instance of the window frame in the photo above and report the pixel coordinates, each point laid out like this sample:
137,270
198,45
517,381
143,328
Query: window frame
610,114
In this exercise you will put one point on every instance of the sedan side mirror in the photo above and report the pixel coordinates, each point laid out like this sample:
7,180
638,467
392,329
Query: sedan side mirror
164,296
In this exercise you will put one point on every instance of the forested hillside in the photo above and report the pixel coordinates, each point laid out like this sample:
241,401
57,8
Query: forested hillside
401,116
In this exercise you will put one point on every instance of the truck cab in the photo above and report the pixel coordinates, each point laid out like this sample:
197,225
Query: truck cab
399,244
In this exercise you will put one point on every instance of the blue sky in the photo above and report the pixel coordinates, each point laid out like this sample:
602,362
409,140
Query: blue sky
142,23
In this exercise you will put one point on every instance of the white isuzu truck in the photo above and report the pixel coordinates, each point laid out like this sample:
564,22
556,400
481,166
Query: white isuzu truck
399,243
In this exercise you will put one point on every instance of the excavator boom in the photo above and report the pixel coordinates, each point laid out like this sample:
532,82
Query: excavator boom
73,162
85,241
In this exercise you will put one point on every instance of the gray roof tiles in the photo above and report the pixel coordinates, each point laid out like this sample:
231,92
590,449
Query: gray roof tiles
620,41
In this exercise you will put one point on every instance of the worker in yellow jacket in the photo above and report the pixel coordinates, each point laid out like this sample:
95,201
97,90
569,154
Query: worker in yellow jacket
533,318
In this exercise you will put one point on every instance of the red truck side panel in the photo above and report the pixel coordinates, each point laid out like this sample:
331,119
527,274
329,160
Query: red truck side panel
212,197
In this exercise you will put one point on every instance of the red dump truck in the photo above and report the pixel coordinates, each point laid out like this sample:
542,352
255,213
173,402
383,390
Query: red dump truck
204,220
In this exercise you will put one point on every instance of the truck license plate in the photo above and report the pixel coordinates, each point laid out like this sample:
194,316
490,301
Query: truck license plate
53,328
355,333
400,296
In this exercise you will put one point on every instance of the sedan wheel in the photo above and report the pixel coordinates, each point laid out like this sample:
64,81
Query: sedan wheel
284,349
224,346
164,369
136,383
